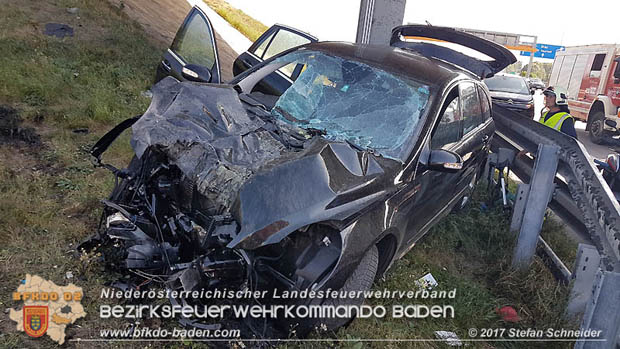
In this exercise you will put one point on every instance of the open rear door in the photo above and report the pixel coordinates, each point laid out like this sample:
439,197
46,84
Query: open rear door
193,44
501,56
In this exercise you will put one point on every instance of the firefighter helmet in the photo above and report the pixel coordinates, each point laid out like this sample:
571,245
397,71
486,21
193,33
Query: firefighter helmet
560,94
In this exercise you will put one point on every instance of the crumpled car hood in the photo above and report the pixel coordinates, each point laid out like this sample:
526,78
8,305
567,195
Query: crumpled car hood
239,164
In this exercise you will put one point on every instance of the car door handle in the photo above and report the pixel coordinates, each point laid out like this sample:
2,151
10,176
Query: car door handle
166,65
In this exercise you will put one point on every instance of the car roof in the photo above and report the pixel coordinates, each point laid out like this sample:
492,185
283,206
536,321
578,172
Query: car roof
413,65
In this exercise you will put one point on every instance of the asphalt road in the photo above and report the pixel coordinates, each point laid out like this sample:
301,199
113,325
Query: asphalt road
597,151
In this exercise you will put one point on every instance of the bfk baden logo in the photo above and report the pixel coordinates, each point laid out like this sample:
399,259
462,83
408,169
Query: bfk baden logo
48,308
35,320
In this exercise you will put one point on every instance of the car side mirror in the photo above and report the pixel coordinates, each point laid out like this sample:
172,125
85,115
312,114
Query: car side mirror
532,91
197,73
444,161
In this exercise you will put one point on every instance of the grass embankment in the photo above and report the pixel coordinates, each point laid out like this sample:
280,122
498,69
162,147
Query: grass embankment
245,24
49,192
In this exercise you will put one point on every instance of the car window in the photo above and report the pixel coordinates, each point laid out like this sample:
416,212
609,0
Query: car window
260,50
284,40
448,131
507,83
194,43
484,104
352,101
471,110
288,69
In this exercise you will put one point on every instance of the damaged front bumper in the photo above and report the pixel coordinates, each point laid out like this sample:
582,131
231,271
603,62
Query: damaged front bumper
158,228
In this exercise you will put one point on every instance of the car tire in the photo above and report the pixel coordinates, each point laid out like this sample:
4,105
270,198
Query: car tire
361,279
597,128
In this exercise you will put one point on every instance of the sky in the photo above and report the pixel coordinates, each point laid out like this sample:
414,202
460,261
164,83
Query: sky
564,23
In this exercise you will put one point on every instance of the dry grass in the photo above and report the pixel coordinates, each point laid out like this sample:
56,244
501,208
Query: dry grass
49,193
245,24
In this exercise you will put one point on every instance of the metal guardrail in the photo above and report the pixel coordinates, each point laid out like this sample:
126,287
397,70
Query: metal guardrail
582,199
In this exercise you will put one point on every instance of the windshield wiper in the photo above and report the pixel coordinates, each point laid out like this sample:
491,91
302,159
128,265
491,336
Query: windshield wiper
289,117
244,97
358,147
315,131
353,145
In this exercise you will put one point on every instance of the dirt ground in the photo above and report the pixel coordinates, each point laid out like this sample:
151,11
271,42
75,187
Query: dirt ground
161,19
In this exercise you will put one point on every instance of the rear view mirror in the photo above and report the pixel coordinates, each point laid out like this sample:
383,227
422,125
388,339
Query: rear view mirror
445,161
197,73
532,91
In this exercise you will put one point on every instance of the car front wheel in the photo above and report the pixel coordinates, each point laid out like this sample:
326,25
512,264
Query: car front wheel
361,279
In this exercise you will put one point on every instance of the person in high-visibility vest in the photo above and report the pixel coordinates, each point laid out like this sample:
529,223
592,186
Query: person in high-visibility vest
557,115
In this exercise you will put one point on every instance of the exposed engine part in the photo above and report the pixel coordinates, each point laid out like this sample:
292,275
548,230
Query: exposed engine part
218,268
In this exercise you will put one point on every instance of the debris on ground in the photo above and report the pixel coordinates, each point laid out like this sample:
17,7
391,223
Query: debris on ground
58,30
81,130
508,314
73,10
449,338
147,94
11,129
426,282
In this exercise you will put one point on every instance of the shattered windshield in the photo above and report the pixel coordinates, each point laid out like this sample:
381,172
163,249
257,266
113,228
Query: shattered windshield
353,102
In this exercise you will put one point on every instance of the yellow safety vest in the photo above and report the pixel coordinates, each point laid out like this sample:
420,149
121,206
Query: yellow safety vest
555,121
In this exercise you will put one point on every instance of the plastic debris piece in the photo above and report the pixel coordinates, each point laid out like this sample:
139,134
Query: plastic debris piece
73,10
69,275
508,314
449,337
147,94
426,282
58,30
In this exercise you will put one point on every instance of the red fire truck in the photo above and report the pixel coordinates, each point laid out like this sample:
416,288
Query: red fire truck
591,75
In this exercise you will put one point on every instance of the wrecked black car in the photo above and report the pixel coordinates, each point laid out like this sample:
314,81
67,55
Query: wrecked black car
322,187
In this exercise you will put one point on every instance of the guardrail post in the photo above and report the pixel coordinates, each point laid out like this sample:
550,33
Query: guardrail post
602,312
541,189
586,267
519,207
